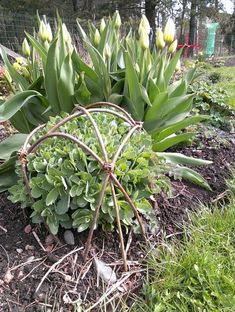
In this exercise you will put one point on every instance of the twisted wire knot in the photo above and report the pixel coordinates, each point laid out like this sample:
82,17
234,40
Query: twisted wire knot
22,156
108,167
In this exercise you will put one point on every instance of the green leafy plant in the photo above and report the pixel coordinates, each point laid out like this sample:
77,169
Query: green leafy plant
215,77
48,86
65,181
212,100
124,70
178,166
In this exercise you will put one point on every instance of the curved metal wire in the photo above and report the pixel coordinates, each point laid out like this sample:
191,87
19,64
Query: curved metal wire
107,166
101,103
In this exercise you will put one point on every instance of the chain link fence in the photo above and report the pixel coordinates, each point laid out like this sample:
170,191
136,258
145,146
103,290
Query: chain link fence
13,26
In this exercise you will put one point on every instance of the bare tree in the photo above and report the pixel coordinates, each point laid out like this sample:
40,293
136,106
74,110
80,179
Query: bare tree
193,24
75,5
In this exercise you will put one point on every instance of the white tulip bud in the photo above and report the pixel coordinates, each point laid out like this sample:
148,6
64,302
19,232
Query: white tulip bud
173,46
144,39
169,31
117,18
107,51
102,25
160,43
42,31
26,48
144,23
97,37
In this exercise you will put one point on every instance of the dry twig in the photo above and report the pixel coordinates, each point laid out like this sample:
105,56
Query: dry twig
2,228
55,264
8,260
23,278
112,289
38,240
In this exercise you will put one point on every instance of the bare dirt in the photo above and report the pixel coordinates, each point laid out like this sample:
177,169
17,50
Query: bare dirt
211,144
27,262
230,61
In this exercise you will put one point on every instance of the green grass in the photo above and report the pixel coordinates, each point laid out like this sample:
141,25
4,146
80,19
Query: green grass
198,273
227,82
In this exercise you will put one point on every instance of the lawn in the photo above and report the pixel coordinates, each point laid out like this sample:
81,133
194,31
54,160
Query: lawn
197,273
226,81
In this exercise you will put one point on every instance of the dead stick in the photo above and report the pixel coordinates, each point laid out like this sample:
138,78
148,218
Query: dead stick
129,240
111,290
96,214
54,265
23,278
38,240
119,226
130,202
2,228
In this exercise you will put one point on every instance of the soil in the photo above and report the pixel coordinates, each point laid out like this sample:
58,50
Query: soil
27,262
211,144
230,61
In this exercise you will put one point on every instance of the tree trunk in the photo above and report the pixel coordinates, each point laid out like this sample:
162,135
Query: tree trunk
150,13
181,37
88,5
193,25
75,5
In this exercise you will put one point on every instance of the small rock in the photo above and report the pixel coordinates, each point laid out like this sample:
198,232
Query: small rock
29,247
28,229
67,278
69,237
20,274
30,259
49,239
19,250
41,297
122,289
8,277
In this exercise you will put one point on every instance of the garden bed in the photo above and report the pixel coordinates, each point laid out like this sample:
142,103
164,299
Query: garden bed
211,144
28,262
38,271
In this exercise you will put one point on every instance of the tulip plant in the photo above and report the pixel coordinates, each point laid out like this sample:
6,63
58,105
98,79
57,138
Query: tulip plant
140,80
53,78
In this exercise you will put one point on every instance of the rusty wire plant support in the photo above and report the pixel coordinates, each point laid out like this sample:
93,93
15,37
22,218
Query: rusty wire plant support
107,165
